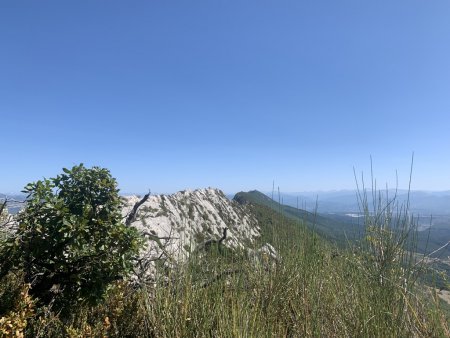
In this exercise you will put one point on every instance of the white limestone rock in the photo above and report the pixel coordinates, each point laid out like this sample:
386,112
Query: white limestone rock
186,219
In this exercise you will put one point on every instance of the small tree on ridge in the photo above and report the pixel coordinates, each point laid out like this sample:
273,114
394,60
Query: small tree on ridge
71,241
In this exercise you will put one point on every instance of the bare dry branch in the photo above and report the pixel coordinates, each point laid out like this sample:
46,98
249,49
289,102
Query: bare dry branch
432,253
154,237
3,207
132,215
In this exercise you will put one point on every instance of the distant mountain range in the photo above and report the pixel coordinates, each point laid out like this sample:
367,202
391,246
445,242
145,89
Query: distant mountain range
14,204
424,203
14,196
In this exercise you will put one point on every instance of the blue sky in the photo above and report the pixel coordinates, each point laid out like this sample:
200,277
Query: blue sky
233,94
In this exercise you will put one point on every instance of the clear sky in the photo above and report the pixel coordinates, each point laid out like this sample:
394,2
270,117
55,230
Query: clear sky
233,94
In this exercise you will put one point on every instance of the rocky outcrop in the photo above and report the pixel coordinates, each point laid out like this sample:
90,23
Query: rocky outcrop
177,225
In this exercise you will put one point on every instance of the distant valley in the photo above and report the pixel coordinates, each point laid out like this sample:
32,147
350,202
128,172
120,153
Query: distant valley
424,203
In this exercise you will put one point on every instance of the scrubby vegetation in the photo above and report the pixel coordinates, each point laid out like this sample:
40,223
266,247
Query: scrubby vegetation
314,288
70,242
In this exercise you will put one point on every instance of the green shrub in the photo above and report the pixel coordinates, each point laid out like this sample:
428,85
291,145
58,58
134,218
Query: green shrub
71,242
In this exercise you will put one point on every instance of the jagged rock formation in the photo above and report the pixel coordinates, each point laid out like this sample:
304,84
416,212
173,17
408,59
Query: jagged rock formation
178,225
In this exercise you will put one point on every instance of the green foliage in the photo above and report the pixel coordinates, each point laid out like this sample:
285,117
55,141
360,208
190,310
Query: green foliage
71,242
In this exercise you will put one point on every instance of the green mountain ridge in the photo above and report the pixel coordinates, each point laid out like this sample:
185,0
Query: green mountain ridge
333,229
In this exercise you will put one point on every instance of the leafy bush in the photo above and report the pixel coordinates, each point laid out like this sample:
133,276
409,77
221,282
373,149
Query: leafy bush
71,242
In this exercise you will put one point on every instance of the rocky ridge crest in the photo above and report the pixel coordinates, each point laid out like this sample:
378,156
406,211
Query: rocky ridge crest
177,225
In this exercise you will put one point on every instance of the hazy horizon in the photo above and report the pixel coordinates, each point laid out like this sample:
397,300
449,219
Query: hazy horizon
232,95
266,192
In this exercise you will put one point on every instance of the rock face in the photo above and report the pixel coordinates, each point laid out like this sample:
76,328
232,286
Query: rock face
177,225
